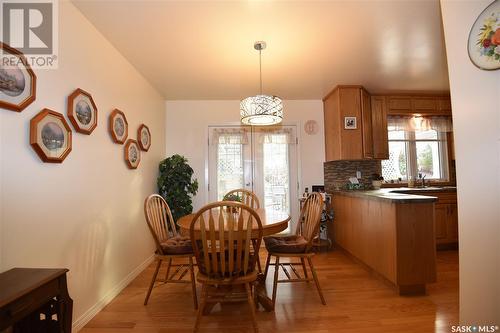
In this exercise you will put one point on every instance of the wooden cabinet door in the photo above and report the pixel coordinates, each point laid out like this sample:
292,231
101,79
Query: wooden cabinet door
452,223
444,105
424,104
441,216
351,140
379,128
366,114
398,105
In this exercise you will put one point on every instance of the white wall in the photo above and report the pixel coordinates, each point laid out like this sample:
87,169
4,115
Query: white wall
191,140
85,214
476,119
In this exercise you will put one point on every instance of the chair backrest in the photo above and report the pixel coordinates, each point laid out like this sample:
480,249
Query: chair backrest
310,217
222,235
247,197
159,219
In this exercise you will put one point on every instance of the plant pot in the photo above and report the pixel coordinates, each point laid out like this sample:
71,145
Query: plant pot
376,184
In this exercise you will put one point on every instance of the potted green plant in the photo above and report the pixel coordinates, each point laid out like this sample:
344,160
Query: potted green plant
232,197
377,181
176,185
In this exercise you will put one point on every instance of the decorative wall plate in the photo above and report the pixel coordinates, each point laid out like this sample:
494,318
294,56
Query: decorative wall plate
311,127
17,80
144,137
484,38
82,111
50,136
118,126
132,154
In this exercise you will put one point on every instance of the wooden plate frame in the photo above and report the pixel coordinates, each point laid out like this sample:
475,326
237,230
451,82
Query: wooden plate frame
112,117
139,141
34,136
131,164
28,100
72,113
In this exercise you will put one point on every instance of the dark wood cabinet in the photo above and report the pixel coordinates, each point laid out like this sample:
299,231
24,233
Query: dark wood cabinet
35,300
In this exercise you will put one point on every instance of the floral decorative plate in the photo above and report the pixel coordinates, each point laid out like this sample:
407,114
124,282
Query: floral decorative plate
484,38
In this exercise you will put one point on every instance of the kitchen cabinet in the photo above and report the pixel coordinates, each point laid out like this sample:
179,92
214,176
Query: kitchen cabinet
393,237
356,143
429,105
379,128
446,217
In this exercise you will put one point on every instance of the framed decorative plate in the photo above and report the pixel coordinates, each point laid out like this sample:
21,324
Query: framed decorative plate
144,137
50,136
118,126
484,38
17,80
82,111
132,154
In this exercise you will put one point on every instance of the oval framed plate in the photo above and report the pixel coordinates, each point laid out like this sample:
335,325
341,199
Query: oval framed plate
484,38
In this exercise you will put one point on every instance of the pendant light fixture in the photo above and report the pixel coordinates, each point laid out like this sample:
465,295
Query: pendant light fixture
261,110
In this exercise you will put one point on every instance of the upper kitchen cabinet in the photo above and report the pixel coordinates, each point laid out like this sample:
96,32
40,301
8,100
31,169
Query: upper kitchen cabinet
349,125
418,104
379,128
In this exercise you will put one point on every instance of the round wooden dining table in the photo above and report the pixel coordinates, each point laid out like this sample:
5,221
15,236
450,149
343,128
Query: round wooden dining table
273,222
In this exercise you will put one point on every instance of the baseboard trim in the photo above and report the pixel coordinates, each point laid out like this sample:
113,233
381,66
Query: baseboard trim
79,323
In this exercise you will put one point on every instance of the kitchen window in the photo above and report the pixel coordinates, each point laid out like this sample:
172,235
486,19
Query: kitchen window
417,147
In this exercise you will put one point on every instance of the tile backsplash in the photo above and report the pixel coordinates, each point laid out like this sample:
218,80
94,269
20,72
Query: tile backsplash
337,173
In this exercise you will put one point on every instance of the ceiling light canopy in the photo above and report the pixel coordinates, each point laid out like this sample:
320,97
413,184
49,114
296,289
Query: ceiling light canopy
261,110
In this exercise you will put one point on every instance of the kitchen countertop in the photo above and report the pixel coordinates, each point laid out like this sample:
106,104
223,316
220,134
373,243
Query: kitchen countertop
396,195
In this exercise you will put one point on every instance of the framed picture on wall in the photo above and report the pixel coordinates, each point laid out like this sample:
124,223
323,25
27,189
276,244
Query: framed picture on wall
82,111
118,126
484,38
132,154
350,123
144,137
50,136
17,80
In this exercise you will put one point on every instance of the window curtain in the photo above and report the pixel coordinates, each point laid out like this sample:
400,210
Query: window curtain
412,124
276,135
230,136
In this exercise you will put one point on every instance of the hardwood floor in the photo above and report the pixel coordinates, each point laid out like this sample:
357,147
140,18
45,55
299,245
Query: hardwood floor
356,302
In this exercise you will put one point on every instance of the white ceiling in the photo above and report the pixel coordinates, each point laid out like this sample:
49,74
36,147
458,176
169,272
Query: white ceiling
204,50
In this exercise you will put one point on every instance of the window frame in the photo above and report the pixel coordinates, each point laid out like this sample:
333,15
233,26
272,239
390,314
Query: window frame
410,141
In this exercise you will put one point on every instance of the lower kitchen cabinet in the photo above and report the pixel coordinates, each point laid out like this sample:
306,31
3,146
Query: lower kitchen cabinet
446,218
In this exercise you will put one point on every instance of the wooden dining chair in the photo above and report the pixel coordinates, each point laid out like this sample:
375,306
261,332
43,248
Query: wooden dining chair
297,246
250,199
222,234
247,197
169,245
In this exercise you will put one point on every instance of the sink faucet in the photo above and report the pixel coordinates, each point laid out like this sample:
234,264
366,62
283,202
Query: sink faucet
422,179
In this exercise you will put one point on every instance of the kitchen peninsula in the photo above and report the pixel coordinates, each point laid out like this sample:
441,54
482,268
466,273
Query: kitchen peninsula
391,233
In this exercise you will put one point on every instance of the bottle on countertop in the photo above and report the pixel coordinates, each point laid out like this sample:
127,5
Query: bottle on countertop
306,192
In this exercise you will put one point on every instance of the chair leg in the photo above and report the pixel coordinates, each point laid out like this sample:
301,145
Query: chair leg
275,282
254,243
152,281
252,306
193,283
304,268
168,269
268,262
315,276
203,300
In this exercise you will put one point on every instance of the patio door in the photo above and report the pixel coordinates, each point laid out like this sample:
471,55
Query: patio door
260,159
